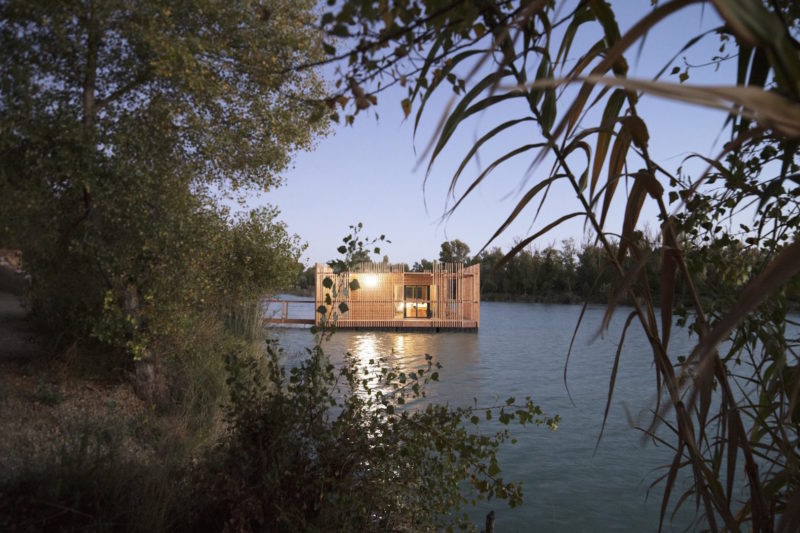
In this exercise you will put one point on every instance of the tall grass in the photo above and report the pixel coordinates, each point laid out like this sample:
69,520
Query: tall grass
91,481
113,471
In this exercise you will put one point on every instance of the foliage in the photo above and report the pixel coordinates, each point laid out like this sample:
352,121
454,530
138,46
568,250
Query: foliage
350,448
356,249
422,265
454,251
548,275
306,281
728,412
121,127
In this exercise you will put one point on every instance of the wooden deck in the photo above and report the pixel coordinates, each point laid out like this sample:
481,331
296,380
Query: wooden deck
307,321
284,317
408,323
409,326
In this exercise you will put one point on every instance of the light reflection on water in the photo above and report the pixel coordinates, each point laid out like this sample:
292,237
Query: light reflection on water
519,351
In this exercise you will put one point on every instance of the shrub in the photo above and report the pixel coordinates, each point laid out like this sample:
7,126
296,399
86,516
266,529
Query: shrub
320,447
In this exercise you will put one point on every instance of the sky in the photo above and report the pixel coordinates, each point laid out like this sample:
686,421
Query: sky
371,173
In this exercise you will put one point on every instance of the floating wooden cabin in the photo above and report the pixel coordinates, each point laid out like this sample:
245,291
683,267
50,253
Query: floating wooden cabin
445,297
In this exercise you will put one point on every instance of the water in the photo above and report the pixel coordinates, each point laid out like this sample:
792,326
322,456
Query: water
520,351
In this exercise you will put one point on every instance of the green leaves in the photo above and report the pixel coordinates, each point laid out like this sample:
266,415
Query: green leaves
548,110
118,183
494,468
756,25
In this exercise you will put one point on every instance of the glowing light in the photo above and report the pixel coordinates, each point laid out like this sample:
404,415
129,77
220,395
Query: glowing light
370,281
366,347
399,345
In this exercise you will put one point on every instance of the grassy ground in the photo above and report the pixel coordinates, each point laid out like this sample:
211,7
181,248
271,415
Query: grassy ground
43,407
80,450
43,402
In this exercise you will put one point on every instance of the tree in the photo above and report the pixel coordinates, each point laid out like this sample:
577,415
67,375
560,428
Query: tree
502,53
307,279
593,275
121,127
454,252
492,278
423,265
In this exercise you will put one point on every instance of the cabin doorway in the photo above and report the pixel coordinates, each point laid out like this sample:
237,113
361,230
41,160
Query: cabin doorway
417,301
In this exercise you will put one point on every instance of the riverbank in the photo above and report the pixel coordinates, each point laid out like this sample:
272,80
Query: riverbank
79,449
45,408
44,403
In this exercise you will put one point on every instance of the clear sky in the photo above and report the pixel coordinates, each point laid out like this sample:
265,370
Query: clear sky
370,173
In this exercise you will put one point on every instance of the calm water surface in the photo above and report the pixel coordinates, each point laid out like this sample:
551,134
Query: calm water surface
520,351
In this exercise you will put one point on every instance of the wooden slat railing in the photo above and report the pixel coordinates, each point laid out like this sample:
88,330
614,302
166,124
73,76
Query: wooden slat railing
284,316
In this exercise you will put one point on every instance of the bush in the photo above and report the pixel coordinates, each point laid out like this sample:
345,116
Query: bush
327,448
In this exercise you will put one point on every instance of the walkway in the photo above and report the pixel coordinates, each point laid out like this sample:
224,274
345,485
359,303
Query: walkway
17,335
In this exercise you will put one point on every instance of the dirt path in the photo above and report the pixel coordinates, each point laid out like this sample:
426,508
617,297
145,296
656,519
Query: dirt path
17,336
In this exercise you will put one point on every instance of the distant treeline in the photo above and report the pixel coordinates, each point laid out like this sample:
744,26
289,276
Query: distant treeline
572,273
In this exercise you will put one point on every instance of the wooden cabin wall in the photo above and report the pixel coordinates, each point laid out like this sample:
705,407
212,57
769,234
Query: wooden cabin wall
374,298
445,305
471,296
466,295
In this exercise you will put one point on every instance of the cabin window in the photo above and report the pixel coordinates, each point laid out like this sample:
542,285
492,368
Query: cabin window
417,301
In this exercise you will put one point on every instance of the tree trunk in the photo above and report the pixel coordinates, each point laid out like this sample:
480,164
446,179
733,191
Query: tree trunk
90,76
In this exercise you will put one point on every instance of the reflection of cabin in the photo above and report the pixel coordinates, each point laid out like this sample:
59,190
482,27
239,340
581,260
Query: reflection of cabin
448,296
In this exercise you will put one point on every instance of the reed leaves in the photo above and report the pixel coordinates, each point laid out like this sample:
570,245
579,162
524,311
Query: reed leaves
727,415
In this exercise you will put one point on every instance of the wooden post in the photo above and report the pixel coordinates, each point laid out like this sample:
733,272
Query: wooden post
490,522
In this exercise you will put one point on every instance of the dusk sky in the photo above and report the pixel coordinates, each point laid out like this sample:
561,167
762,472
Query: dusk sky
370,173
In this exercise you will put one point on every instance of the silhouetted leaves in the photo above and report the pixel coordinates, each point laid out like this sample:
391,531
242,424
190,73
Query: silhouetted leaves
723,282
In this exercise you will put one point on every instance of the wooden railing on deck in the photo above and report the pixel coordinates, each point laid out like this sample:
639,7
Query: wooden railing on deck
284,316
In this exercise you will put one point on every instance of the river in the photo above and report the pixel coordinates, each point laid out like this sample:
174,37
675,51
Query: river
520,351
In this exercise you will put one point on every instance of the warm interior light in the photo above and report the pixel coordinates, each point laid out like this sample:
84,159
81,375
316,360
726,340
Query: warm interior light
370,280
